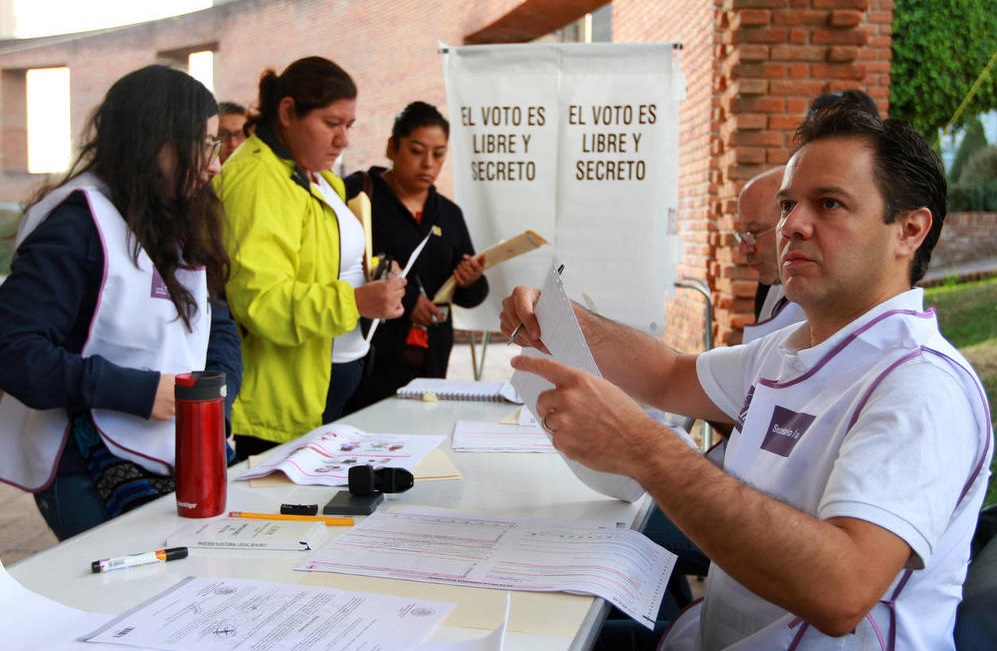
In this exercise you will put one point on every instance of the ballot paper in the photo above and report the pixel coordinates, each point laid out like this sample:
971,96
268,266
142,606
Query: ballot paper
404,274
485,436
505,552
214,614
325,455
564,339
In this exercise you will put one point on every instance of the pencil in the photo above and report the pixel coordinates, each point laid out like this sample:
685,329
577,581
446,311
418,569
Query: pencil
329,522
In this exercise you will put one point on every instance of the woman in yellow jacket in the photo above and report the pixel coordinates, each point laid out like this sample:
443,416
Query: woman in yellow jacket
297,282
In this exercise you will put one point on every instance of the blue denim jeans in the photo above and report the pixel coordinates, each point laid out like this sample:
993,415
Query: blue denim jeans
71,504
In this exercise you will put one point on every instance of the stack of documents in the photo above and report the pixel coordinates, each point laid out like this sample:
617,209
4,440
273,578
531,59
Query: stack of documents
512,553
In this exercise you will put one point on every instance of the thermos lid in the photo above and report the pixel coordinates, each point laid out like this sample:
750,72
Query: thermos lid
200,385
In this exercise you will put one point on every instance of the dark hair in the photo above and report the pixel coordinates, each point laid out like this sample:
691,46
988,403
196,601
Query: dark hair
852,98
312,82
231,108
416,115
909,174
143,112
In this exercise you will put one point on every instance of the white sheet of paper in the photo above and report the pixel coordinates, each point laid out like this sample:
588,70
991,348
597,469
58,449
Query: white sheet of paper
404,274
563,337
513,553
325,455
30,621
212,614
485,436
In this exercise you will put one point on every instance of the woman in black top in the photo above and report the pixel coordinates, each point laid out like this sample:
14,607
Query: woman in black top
405,208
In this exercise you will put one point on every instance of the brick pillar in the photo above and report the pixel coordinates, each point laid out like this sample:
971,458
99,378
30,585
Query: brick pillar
773,59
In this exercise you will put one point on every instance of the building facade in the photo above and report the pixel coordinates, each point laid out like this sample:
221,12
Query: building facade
751,68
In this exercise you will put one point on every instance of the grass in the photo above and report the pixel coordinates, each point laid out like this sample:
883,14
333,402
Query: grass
967,315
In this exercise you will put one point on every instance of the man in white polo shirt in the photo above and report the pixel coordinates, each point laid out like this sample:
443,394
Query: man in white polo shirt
849,489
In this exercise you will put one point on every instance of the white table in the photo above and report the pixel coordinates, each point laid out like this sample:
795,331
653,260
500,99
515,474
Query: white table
536,485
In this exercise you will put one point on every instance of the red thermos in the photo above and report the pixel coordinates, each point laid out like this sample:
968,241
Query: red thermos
201,459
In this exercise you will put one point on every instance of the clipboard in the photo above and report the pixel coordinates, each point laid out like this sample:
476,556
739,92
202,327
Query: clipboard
497,254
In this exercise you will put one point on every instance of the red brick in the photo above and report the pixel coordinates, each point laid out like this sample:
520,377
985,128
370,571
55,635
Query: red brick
842,54
752,86
797,53
751,17
846,18
767,35
838,37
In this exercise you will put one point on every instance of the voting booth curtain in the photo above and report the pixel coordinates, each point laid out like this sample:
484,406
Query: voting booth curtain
578,142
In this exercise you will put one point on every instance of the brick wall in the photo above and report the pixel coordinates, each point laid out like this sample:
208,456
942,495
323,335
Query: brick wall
751,68
966,237
774,57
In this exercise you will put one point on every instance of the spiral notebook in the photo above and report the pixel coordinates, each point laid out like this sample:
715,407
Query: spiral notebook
424,388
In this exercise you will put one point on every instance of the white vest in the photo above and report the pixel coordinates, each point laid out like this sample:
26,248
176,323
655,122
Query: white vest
774,315
809,417
135,325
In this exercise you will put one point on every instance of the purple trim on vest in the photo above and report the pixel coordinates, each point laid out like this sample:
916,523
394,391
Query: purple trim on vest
772,384
980,394
986,411
780,305
103,276
107,438
668,629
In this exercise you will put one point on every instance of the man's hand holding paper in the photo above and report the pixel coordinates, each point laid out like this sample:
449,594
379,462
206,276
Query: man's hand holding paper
590,419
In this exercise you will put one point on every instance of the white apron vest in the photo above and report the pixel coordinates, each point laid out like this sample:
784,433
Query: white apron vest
776,313
135,325
804,421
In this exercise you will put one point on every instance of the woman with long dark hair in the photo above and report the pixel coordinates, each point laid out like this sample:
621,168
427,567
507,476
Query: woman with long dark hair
108,299
298,286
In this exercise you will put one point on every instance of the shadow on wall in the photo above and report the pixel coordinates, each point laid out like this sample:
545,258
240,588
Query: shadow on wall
10,213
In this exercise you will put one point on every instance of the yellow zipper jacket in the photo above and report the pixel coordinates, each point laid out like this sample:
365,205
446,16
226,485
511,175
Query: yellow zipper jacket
283,290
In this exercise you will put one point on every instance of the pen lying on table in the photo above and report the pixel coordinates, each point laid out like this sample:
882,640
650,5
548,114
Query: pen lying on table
329,521
134,560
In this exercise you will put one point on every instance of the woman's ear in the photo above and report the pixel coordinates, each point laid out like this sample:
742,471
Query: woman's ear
285,111
391,149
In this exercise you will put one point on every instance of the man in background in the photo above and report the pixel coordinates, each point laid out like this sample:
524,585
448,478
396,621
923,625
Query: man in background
757,216
231,127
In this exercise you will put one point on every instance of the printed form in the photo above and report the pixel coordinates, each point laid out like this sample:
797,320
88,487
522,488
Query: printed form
209,614
510,553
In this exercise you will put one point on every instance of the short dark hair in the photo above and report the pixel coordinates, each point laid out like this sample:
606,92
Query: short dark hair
231,108
416,115
909,174
853,98
312,82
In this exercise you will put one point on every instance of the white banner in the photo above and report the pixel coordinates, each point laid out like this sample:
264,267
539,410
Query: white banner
578,142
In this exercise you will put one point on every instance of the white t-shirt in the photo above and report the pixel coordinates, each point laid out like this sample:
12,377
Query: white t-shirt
349,346
865,425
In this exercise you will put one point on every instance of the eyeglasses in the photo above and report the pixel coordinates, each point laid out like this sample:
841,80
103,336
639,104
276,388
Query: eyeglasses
225,134
212,148
751,237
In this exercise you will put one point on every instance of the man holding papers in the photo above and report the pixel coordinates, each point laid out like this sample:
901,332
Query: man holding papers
849,489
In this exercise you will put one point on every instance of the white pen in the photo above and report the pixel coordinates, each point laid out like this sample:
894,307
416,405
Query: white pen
133,560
